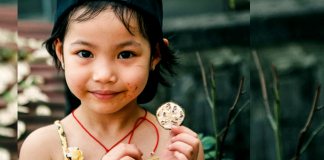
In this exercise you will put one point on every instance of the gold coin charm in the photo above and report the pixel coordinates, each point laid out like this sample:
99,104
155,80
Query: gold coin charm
169,114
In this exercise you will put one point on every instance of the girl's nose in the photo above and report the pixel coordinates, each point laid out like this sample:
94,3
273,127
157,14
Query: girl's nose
104,74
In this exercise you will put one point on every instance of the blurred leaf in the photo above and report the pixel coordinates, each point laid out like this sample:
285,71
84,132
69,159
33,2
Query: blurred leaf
232,4
200,135
207,156
23,85
210,154
227,159
208,142
22,54
6,54
7,97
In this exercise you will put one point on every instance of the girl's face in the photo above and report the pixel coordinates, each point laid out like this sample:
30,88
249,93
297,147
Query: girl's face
106,67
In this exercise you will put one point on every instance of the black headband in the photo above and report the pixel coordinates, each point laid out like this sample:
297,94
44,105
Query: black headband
151,7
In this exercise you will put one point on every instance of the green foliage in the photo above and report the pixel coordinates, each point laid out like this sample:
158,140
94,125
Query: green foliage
10,95
210,154
232,4
7,97
23,54
208,142
6,54
31,80
200,135
23,85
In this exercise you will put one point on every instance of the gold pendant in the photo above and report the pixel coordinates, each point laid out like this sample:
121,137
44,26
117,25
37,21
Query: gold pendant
169,114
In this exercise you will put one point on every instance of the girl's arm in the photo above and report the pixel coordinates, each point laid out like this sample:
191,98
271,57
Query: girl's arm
39,144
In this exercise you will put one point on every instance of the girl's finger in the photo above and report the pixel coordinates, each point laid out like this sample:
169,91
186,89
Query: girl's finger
183,129
127,158
180,156
132,150
124,150
183,148
188,139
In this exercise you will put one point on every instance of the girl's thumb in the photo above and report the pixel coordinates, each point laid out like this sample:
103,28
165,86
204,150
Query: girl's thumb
167,154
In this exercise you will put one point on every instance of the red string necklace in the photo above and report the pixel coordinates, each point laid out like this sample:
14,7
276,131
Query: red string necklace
137,123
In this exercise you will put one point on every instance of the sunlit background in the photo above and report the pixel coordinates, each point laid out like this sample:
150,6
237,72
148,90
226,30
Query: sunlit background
8,80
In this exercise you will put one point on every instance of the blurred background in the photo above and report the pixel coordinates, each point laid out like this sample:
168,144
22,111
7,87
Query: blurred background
218,30
8,80
288,34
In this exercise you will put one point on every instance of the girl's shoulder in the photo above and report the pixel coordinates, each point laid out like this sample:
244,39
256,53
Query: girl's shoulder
42,143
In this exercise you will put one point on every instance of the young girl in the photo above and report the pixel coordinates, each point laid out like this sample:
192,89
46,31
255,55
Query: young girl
113,55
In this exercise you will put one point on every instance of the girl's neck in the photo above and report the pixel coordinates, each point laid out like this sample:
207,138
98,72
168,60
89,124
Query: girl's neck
110,124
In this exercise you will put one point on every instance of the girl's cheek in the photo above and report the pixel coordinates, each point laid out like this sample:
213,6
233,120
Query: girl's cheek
136,82
75,80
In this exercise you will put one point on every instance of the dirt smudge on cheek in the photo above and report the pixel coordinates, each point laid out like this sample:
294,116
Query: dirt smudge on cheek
131,90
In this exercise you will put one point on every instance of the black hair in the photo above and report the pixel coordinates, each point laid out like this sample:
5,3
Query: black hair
148,27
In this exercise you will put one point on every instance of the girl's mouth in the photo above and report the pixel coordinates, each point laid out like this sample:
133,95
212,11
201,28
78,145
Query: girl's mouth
104,94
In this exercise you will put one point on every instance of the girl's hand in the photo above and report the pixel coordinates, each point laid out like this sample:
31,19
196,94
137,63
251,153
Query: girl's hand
183,144
124,152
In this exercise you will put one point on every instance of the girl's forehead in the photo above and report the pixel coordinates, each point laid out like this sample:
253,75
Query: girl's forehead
104,27
83,14
126,19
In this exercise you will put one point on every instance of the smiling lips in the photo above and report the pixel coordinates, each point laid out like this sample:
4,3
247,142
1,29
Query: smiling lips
104,94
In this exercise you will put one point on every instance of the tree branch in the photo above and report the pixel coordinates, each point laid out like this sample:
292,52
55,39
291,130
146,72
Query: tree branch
204,80
212,103
264,90
214,110
277,131
231,111
308,123
320,107
234,117
319,128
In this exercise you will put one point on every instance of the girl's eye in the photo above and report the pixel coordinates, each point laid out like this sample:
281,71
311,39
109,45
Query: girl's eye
125,55
85,54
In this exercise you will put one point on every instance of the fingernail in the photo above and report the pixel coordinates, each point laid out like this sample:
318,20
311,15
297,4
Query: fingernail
173,127
170,146
173,138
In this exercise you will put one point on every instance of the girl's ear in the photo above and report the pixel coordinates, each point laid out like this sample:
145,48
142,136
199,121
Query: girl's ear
166,42
59,50
157,56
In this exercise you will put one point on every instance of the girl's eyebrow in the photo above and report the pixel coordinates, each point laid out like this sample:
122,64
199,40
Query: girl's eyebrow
128,43
124,44
82,42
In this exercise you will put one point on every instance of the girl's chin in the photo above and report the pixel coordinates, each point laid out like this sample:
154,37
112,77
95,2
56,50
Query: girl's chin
110,105
106,107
